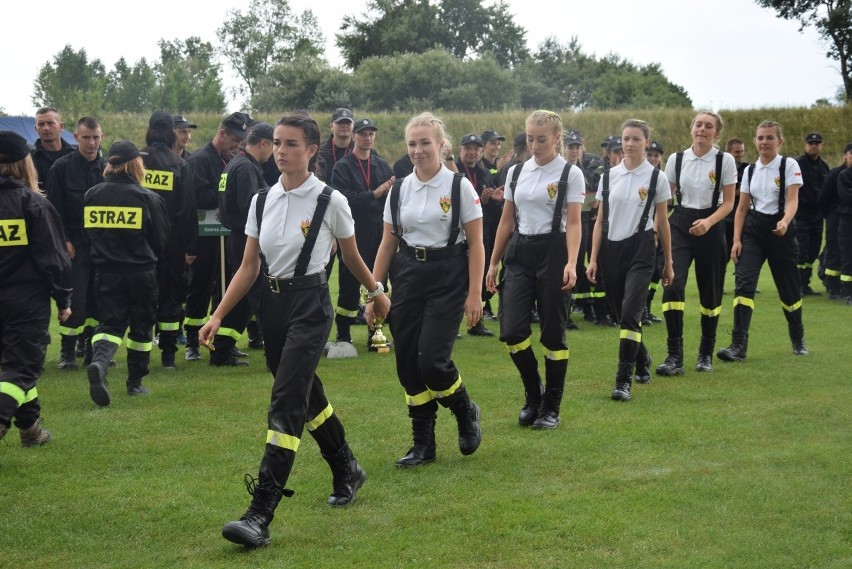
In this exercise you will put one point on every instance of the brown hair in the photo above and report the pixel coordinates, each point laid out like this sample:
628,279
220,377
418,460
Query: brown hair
636,123
771,124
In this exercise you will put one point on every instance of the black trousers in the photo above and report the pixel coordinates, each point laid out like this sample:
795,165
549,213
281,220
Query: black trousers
428,306
582,289
295,325
759,246
126,299
368,235
83,305
203,278
809,234
832,260
708,252
171,282
235,322
489,235
844,240
24,321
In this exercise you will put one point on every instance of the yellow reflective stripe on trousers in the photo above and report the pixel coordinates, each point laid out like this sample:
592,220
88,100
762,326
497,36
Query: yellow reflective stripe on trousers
805,266
447,392
654,286
630,335
282,441
832,273
744,301
31,395
674,306
515,348
108,337
196,321
793,307
91,322
139,346
230,332
168,326
419,399
846,278
556,355
15,392
711,312
317,421
66,331
344,312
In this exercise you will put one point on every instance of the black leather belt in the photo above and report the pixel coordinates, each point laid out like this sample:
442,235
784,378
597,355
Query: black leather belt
425,254
296,283
537,237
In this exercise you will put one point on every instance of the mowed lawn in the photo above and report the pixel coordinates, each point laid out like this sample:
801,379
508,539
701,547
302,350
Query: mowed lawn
748,466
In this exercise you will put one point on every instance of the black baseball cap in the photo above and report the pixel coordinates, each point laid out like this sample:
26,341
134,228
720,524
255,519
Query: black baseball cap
813,137
520,142
847,148
471,138
614,144
607,140
364,124
13,147
571,138
262,130
237,123
655,146
489,135
161,119
123,151
342,114
182,122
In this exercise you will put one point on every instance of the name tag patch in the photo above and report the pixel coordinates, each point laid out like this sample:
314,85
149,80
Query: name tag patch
13,233
112,217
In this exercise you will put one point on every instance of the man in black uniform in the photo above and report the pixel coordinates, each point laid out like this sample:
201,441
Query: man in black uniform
67,182
183,135
808,217
338,145
829,200
241,180
50,146
492,202
470,150
34,266
128,227
364,179
169,176
207,165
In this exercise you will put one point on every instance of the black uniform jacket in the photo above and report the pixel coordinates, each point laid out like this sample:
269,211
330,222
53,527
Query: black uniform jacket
127,225
241,180
828,198
844,192
813,177
44,159
207,166
69,179
348,178
481,178
329,154
170,177
32,245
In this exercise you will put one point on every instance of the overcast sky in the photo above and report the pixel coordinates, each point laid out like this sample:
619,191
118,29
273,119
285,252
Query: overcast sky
713,55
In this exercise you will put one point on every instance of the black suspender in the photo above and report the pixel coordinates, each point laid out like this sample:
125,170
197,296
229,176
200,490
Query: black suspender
782,178
605,194
649,202
455,207
516,173
717,187
556,224
313,231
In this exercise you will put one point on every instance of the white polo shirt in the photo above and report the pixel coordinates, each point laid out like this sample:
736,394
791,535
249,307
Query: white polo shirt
534,196
765,186
698,177
628,192
286,219
425,211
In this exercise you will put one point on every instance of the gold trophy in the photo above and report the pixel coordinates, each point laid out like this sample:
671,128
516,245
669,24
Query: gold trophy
378,341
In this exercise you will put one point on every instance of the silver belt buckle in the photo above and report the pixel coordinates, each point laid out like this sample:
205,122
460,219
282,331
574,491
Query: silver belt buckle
273,285
420,254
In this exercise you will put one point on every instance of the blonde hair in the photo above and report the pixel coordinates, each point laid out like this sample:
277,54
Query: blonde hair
551,120
438,129
771,124
133,168
636,123
23,170
720,125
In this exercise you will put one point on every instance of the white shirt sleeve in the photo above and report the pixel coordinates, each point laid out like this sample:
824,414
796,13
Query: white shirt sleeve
729,170
251,220
471,208
340,219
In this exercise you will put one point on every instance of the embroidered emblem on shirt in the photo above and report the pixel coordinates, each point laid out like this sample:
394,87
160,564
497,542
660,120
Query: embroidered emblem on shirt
445,203
712,176
643,193
777,181
305,227
551,189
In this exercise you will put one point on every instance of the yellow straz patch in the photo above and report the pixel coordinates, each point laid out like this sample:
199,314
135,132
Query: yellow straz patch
162,180
13,233
223,181
111,217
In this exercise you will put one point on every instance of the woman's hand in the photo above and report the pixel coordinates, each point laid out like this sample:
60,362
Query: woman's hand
592,272
208,331
736,251
64,314
380,306
668,274
700,227
569,277
491,279
780,228
473,309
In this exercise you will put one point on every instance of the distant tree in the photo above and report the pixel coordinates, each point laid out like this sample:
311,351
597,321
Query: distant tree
465,28
129,89
266,33
71,83
308,83
833,20
188,77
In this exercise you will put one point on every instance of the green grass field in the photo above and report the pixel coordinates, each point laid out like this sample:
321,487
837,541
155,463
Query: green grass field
748,466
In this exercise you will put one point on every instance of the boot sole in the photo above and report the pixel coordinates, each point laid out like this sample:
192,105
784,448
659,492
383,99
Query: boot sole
727,358
413,464
358,484
97,389
235,534
670,373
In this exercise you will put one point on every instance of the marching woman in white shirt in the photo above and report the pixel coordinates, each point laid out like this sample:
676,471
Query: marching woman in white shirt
538,240
301,218
634,200
703,178
765,230
432,249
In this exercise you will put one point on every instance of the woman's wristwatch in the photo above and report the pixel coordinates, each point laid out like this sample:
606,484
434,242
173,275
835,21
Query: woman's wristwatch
380,289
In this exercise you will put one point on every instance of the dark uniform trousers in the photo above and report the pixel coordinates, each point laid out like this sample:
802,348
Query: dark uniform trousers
583,290
489,236
428,306
626,270
832,260
83,305
368,236
236,321
296,323
844,239
126,298
809,235
759,244
171,281
534,267
24,321
203,277
708,253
